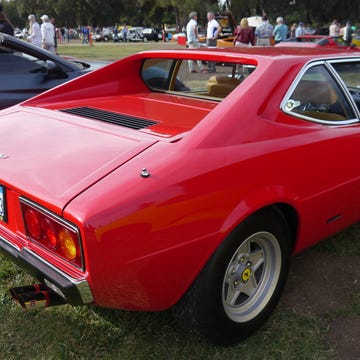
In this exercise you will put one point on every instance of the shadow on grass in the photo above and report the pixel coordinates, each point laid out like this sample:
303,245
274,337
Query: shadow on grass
87,332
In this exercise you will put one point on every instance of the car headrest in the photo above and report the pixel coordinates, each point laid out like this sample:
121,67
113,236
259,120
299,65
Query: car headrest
221,86
316,92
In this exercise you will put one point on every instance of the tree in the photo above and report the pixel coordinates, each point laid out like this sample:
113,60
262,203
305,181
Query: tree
158,12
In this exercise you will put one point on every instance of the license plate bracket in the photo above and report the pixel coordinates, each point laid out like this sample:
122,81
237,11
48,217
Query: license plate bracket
3,208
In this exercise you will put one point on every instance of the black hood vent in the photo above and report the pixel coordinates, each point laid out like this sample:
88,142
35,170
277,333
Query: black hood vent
131,122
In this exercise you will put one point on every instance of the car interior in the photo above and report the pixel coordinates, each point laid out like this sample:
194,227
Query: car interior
317,96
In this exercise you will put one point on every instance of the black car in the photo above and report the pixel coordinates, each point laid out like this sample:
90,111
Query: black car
153,34
27,70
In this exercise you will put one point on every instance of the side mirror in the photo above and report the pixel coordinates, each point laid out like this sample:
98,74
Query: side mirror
54,69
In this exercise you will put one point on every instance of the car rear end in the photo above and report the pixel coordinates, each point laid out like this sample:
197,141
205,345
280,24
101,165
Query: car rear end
49,158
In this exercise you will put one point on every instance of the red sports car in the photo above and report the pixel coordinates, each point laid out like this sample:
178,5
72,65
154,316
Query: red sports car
317,41
144,186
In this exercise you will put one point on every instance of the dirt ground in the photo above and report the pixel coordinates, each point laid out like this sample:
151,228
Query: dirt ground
319,284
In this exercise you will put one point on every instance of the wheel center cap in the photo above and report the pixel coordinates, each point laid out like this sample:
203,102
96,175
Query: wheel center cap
245,275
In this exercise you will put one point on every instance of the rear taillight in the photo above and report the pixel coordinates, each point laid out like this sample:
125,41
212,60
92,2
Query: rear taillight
52,232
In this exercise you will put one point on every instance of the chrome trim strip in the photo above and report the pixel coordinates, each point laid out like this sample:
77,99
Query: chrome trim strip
8,243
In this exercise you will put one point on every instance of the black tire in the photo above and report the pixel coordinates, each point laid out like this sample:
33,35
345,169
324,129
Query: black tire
241,284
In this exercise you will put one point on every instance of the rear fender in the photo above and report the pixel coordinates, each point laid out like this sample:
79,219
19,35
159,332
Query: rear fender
256,200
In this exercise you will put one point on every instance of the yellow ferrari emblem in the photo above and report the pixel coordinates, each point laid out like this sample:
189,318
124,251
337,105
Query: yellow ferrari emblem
246,275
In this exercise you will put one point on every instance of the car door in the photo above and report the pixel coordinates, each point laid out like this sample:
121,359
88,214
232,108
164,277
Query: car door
327,93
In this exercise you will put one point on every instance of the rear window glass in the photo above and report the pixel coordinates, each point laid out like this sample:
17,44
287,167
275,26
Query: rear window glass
194,79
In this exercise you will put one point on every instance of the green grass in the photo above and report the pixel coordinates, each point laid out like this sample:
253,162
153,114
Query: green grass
87,332
110,51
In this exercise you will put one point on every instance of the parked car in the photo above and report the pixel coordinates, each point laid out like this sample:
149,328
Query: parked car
133,35
142,186
105,35
21,34
28,70
152,34
356,40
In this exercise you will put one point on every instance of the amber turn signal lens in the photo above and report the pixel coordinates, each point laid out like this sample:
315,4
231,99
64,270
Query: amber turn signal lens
68,244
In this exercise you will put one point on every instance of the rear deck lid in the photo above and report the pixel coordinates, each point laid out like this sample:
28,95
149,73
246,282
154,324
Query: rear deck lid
51,158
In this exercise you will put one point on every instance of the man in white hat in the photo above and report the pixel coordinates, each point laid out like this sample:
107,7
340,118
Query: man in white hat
34,31
47,34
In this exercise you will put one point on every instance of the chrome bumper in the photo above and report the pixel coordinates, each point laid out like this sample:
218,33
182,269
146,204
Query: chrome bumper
74,291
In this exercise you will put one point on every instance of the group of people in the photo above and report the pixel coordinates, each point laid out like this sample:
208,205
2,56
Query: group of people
123,32
336,30
42,35
244,35
212,33
265,34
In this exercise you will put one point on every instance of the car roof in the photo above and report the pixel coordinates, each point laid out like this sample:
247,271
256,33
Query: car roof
295,52
313,36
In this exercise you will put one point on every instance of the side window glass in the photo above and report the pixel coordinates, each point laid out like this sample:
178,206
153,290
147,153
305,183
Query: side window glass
317,97
350,74
156,73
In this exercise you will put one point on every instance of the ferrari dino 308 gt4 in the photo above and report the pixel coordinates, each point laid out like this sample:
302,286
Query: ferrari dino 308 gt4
144,186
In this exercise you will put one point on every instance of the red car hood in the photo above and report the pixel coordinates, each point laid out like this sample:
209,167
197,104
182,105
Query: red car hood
77,153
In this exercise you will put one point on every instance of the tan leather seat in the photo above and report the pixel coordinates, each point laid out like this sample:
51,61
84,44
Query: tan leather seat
221,86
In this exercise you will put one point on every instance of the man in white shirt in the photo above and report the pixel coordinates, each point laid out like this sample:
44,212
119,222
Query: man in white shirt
300,30
193,40
47,34
35,33
213,31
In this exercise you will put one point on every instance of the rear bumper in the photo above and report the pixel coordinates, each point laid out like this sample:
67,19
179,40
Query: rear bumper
74,291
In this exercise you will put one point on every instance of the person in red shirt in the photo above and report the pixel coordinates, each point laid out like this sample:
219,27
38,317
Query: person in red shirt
244,34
